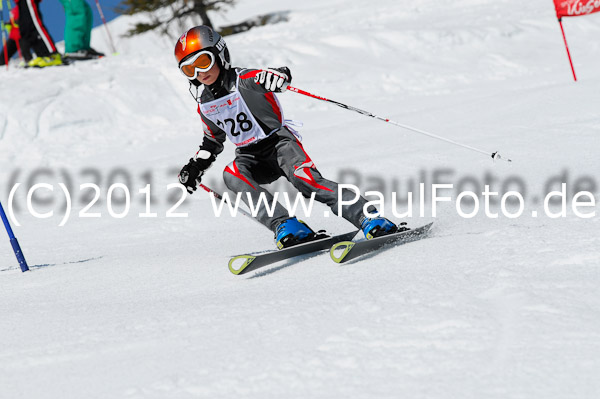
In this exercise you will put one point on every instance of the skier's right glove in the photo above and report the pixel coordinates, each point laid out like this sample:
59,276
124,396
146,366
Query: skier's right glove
274,79
191,174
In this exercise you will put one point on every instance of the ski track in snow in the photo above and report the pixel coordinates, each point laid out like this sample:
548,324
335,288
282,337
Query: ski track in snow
146,307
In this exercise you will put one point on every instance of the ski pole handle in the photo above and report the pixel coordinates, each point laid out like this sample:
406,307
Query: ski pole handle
494,155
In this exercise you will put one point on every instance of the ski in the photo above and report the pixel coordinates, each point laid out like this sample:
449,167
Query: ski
253,262
351,250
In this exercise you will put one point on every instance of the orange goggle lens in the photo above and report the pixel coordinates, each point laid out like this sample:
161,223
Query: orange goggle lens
200,62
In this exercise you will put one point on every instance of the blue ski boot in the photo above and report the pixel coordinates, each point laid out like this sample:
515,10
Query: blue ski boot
292,232
378,226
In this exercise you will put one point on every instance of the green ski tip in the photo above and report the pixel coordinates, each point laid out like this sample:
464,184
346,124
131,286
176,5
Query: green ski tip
248,260
344,246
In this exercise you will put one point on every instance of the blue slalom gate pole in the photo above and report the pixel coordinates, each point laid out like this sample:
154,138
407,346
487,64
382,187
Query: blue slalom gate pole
13,240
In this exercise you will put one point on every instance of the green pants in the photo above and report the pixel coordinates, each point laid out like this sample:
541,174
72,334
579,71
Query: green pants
78,26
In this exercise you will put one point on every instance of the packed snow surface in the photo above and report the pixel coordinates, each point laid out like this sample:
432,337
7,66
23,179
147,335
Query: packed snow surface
145,307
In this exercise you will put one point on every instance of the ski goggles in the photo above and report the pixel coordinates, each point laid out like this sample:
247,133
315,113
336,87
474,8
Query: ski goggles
202,61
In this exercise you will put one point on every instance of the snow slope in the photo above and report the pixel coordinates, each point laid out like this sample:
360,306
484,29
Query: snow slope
139,307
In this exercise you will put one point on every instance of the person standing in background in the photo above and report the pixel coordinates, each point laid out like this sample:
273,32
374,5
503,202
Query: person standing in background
14,35
35,36
78,30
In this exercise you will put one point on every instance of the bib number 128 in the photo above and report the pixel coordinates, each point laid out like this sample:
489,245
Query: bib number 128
241,120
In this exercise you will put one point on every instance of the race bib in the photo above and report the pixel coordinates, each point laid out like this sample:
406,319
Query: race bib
231,113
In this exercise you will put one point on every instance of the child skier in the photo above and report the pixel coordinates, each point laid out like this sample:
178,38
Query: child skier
240,104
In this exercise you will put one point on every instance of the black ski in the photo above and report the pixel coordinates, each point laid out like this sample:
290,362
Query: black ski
351,250
253,262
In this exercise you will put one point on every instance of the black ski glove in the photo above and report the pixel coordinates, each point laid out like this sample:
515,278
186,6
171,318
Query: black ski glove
274,79
191,174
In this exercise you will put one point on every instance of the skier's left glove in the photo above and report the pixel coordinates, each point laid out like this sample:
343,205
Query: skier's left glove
191,174
274,79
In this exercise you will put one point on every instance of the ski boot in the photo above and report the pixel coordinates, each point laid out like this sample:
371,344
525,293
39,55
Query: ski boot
42,62
82,55
379,226
292,232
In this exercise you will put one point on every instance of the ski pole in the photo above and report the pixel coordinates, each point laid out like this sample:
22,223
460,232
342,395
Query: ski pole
112,44
494,155
13,241
220,198
567,47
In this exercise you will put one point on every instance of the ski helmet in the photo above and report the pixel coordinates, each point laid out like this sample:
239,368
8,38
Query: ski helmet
202,38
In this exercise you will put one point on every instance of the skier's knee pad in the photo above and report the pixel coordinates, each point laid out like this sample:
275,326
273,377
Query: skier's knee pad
234,179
